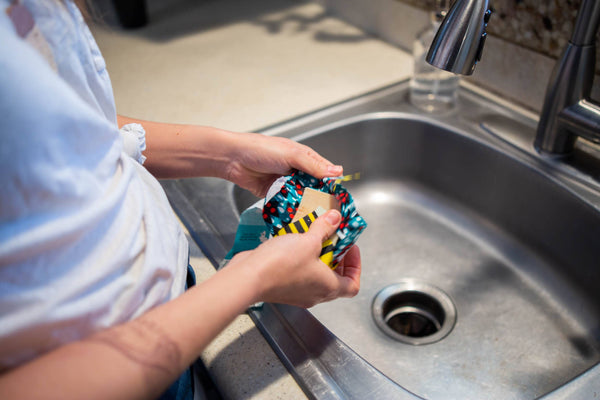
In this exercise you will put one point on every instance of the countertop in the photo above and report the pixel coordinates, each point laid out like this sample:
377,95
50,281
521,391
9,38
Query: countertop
242,66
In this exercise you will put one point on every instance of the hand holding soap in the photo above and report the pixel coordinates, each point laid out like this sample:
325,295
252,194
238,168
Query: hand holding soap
281,208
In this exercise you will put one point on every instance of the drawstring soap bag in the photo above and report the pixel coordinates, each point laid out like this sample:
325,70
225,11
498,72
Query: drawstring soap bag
282,202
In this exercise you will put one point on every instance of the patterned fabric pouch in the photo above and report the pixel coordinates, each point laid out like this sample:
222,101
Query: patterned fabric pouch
280,208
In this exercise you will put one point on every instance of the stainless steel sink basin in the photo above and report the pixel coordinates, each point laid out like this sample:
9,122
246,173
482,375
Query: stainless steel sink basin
457,202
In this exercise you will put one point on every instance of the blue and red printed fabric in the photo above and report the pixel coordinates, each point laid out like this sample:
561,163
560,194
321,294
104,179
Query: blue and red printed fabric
279,210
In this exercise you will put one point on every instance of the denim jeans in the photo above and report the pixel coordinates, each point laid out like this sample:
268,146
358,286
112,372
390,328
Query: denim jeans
183,387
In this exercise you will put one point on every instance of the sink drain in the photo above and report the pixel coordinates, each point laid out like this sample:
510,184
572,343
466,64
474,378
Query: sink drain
414,312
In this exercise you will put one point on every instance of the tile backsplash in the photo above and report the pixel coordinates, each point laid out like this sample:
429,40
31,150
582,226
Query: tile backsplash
544,26
526,37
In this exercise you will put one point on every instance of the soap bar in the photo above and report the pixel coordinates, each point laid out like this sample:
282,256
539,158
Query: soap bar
312,199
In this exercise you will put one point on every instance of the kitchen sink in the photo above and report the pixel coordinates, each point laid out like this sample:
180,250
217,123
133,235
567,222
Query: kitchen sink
481,261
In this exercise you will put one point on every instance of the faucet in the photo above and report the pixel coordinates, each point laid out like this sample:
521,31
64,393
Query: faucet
568,111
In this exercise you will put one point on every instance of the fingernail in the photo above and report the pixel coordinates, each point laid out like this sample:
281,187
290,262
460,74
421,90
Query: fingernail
333,217
334,169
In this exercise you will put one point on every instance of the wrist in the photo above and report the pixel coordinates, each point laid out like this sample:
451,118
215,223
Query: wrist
228,148
210,150
250,274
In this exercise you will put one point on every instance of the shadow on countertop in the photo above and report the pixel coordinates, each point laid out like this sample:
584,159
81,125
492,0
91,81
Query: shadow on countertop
179,18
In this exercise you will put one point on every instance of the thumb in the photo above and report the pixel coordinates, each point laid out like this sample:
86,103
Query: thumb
325,225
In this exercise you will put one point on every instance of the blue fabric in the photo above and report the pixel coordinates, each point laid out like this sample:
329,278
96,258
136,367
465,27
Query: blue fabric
183,387
190,280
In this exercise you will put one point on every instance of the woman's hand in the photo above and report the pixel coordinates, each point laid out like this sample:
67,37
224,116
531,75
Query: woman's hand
259,160
287,269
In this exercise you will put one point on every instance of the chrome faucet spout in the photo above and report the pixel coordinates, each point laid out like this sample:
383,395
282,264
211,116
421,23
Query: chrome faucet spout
459,41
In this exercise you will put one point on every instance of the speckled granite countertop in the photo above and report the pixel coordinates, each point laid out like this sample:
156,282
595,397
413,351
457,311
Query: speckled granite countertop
542,26
242,66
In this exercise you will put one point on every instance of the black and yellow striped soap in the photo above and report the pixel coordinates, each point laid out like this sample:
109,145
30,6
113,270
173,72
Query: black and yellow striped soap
302,225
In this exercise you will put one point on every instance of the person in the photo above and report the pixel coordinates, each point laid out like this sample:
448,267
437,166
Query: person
93,299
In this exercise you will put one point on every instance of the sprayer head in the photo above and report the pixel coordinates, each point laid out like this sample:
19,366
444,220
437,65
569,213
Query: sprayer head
458,44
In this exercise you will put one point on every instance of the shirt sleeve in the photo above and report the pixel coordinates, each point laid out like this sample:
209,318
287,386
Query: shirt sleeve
134,141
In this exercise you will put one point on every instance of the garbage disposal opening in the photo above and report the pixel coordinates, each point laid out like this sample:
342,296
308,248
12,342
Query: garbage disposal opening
414,312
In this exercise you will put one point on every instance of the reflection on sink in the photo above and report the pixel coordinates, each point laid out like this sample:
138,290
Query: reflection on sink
514,244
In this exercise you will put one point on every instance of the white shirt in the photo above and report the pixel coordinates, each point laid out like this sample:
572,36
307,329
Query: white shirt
87,237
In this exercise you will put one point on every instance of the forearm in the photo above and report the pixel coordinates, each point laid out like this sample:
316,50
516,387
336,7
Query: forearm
141,358
178,151
252,161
